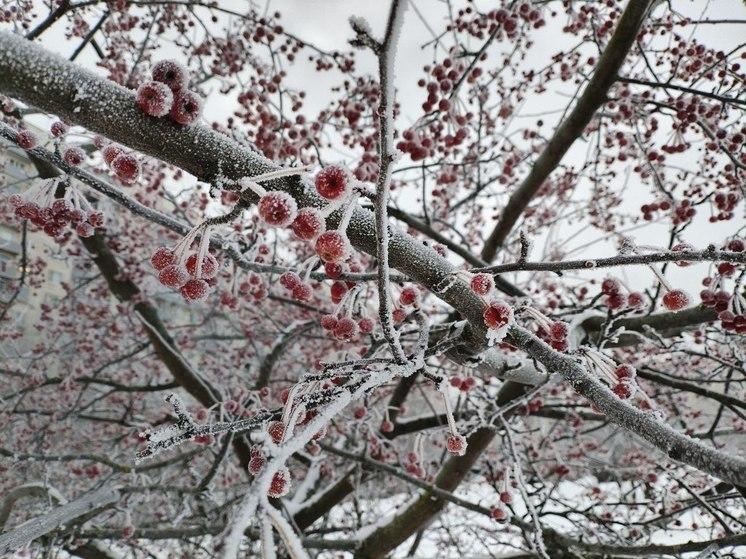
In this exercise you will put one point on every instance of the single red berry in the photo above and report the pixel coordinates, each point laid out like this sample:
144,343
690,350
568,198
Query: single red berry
209,266
333,270
625,372
302,292
736,245
610,286
174,276
615,300
126,166
332,182
195,290
161,258
623,390
96,219
366,325
171,73
328,322
482,284
277,208
498,513
345,329
186,108
155,98
256,463
497,314
84,230
73,156
386,426
409,296
726,269
675,300
280,485
276,430
58,129
289,280
558,330
360,412
456,444
26,139
110,153
333,246
506,497
635,300
398,315
128,530
308,224
561,470
337,291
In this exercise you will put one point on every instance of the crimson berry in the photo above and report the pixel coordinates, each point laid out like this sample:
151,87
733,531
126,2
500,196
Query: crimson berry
73,156
398,315
675,300
84,230
561,470
386,427
277,208
623,390
635,300
328,322
333,246
276,430
289,280
171,73
126,166
96,219
26,139
111,152
302,292
505,497
155,98
280,485
209,265
195,290
345,329
456,444
366,325
625,372
161,258
256,463
614,300
498,513
726,269
482,284
58,129
186,108
736,245
360,412
338,291
409,296
308,224
174,276
333,270
497,314
332,182
558,330
610,286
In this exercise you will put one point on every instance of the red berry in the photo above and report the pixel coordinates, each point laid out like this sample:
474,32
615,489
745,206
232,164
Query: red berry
280,485
277,208
625,372
386,427
126,166
345,329
456,444
498,513
409,296
635,300
366,325
110,153
276,430
187,107
289,280
161,258
171,73
333,270
308,224
155,98
736,245
332,182
360,412
256,463
58,129
338,291
209,266
623,390
482,284
84,230
96,219
302,292
558,330
174,276
610,286
497,314
26,139
195,290
675,300
333,246
73,156
328,322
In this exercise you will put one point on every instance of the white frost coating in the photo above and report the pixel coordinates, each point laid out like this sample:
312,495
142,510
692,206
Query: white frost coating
360,23
292,542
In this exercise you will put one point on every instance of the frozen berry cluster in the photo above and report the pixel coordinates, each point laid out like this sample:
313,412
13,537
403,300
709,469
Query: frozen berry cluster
168,94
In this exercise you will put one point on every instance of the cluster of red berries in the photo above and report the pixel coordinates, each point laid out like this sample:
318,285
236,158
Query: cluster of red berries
124,164
345,328
55,216
412,465
615,299
626,385
178,270
463,384
555,335
725,202
648,209
168,94
301,290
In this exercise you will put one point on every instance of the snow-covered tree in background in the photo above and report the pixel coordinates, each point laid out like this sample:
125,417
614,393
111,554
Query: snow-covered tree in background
469,280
